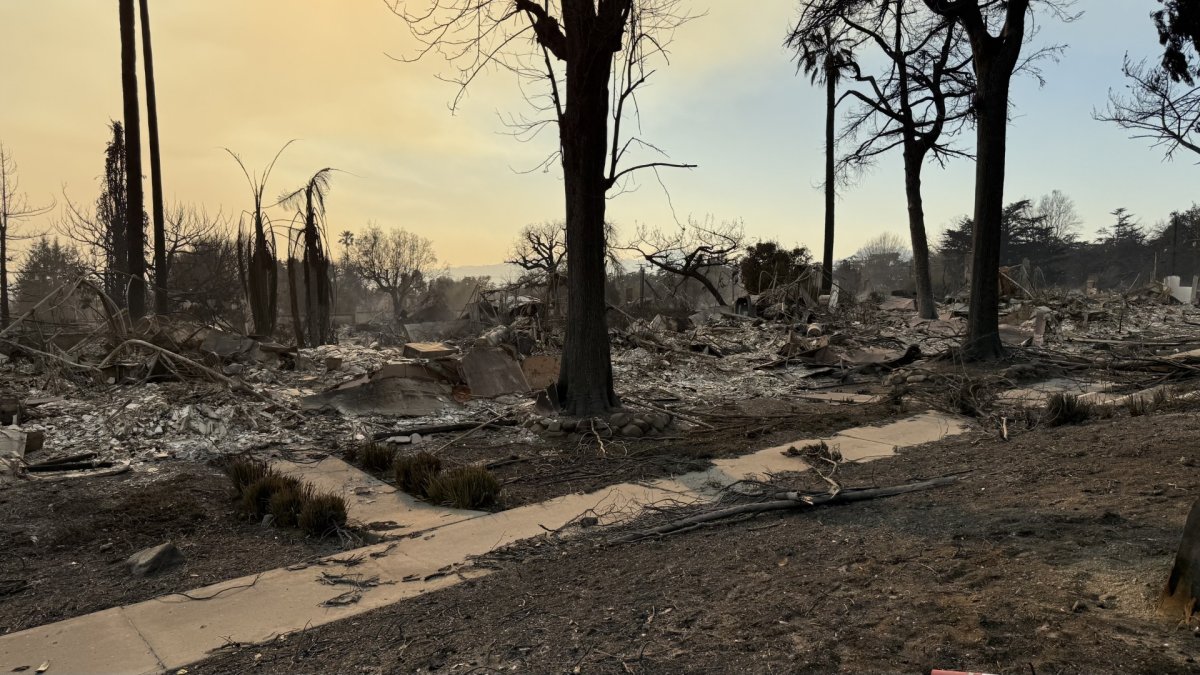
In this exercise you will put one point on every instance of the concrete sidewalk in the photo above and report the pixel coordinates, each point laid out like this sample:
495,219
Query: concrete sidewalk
170,632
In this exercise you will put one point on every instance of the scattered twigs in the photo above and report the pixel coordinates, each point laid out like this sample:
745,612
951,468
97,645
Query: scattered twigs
468,432
789,500
682,416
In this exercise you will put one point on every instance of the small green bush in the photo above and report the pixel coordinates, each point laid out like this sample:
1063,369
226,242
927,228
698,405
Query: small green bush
1062,409
256,499
322,514
468,487
414,473
243,471
376,456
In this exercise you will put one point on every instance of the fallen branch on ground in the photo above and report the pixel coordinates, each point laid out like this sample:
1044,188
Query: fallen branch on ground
789,500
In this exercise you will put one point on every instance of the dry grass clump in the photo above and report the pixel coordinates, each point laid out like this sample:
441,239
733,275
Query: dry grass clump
1063,409
376,456
256,499
468,487
285,505
262,490
322,514
243,471
414,473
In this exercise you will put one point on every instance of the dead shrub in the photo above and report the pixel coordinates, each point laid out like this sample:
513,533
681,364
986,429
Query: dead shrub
322,514
1063,409
286,503
256,499
243,471
414,473
376,456
467,487
1138,406
350,453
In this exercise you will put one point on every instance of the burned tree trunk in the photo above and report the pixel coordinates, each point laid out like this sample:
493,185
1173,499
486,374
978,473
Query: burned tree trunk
1181,595
913,159
293,299
135,233
995,57
161,305
983,323
585,386
830,182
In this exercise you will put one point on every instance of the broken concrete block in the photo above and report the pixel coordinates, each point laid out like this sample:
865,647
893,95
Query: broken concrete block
150,560
428,350
492,372
541,371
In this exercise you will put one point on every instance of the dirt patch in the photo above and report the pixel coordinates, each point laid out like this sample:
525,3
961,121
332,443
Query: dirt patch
64,543
1047,559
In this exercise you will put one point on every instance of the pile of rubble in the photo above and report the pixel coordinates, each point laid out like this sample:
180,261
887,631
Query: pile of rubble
188,391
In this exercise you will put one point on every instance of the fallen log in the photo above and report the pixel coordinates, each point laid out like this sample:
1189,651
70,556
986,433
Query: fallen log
790,500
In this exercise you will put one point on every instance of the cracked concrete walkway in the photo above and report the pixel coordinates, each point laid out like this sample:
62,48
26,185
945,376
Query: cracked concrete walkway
170,632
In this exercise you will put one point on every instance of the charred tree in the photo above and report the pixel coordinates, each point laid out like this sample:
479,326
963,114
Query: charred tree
605,45
135,232
922,96
257,261
825,54
318,285
994,58
693,252
161,300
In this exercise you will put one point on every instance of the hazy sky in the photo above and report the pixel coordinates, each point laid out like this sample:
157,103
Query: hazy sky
251,75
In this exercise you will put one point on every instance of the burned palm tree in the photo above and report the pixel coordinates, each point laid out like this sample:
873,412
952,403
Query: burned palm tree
256,253
318,288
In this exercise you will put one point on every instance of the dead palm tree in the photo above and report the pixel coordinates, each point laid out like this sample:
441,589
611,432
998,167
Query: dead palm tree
161,305
824,56
318,290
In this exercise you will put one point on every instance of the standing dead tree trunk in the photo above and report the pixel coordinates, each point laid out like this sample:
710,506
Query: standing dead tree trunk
995,58
318,288
135,232
256,254
605,45
825,53
161,303
923,94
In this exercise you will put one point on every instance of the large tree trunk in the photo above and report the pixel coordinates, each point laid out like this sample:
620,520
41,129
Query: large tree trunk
913,160
830,184
134,228
585,386
991,100
161,304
